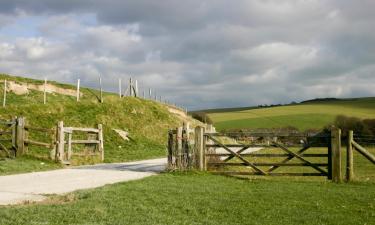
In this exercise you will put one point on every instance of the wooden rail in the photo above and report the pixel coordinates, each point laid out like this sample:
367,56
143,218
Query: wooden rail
353,145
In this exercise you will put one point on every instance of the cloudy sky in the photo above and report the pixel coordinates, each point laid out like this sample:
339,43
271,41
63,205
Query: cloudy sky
197,53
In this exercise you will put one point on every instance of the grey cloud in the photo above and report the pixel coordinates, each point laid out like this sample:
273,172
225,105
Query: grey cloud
202,53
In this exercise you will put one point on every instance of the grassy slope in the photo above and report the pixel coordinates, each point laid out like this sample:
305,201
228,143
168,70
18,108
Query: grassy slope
146,121
303,116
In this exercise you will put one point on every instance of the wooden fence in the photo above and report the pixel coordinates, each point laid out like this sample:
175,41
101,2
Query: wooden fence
352,144
17,136
234,153
7,132
94,137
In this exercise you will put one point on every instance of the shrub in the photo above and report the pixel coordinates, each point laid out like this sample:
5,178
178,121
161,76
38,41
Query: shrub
202,116
359,126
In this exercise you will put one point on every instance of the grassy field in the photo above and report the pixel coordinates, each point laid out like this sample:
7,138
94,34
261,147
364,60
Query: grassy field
146,121
313,115
201,198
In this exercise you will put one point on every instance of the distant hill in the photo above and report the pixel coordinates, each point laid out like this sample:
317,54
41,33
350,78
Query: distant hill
310,114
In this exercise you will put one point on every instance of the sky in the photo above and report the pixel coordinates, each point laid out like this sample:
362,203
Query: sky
197,53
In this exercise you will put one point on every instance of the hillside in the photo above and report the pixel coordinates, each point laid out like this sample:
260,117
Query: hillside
307,115
146,121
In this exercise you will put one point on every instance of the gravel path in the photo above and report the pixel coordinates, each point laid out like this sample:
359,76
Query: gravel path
15,189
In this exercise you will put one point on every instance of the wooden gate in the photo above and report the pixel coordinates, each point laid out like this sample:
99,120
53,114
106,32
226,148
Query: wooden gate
270,154
7,136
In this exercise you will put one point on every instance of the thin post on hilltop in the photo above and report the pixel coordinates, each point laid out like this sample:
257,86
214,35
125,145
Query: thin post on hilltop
45,91
136,88
5,93
119,87
101,89
78,84
131,87
150,93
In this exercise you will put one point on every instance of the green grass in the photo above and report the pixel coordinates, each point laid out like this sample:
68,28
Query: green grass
26,164
302,116
146,121
205,199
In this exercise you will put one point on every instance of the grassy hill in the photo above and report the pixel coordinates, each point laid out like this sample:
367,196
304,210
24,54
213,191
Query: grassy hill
146,121
307,115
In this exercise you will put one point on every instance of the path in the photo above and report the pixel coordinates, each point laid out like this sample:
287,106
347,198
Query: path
19,188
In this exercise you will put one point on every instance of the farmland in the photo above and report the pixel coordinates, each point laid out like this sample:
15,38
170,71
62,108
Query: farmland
311,115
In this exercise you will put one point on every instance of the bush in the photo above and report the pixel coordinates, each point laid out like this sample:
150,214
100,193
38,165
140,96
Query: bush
359,126
202,116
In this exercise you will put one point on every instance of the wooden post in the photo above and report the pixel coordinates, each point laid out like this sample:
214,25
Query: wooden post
101,89
150,93
20,143
349,157
25,135
131,87
199,148
78,84
101,141
179,148
60,145
5,93
336,155
136,89
119,87
45,91
69,156
170,150
14,133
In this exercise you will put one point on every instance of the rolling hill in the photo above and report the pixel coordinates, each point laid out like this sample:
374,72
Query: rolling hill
306,115
146,121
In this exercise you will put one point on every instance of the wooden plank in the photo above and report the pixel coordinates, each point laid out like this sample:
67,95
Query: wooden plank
5,149
84,141
260,155
268,174
83,129
170,149
238,152
179,147
38,143
267,164
289,158
299,157
349,157
364,152
237,155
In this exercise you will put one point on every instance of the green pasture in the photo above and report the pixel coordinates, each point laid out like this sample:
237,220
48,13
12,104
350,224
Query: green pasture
303,116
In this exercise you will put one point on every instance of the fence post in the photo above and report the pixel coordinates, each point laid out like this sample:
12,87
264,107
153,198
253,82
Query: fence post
5,93
60,143
20,143
101,141
336,155
14,133
179,148
199,148
45,91
25,135
170,149
349,158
